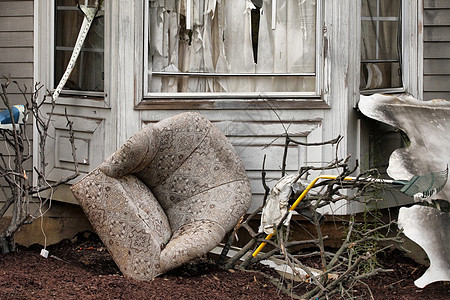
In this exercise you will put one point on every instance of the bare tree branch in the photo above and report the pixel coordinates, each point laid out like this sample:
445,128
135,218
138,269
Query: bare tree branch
20,188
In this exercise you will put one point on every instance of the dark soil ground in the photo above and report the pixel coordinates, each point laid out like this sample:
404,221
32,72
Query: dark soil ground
81,268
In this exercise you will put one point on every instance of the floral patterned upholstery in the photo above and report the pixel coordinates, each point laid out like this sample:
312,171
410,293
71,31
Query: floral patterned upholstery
167,196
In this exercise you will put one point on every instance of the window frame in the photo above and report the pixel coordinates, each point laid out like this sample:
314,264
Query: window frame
95,95
241,99
411,58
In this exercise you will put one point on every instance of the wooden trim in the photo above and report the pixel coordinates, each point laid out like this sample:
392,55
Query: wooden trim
436,4
413,48
254,104
138,68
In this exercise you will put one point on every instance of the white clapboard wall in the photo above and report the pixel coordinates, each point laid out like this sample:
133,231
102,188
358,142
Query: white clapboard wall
436,49
16,60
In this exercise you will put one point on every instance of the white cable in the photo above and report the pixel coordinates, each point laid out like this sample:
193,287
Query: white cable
42,213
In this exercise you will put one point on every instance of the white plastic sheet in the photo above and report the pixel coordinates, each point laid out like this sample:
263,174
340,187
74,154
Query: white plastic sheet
429,227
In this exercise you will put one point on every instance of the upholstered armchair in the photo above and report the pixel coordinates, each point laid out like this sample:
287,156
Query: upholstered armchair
167,196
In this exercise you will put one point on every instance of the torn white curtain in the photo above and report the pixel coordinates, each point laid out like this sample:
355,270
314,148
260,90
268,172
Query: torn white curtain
221,42
379,40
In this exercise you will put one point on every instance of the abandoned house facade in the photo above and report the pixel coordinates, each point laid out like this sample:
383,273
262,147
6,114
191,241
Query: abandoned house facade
256,68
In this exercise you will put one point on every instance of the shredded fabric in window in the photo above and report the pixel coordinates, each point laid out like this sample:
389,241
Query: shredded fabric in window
227,39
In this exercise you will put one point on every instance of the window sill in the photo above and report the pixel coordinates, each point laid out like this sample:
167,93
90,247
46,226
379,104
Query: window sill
250,103
82,94
94,99
398,90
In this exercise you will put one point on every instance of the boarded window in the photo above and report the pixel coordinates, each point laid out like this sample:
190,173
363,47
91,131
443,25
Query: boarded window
87,74
381,47
231,47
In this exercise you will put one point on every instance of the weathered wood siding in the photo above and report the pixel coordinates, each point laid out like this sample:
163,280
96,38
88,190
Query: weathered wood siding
436,49
16,55
16,43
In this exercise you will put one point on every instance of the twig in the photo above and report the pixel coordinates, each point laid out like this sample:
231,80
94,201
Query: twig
394,283
264,184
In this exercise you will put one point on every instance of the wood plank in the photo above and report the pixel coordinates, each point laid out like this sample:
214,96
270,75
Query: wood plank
262,141
254,129
14,24
274,129
16,8
264,115
230,104
28,165
16,39
436,50
15,55
436,33
436,17
252,157
80,123
436,83
64,151
14,99
17,70
436,4
436,95
13,89
436,66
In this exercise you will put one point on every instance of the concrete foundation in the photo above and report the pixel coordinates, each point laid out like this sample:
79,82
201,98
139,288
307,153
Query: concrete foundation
62,221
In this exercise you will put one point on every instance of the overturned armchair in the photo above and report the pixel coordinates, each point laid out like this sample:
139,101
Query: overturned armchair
167,196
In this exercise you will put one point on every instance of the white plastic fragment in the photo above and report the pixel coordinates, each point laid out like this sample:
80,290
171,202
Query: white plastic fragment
429,227
44,253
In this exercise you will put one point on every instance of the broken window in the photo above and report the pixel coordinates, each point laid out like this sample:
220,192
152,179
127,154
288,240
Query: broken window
87,74
381,44
232,47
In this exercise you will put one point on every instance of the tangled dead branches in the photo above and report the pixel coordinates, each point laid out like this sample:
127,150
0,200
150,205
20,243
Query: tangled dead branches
341,268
